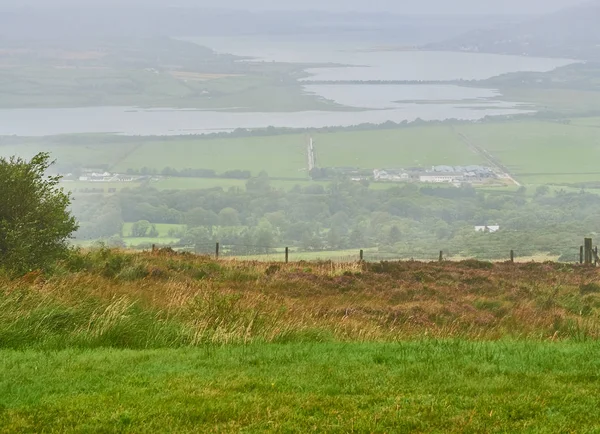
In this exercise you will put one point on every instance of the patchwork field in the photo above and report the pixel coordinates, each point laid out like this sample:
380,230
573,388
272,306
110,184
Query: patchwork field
139,72
535,152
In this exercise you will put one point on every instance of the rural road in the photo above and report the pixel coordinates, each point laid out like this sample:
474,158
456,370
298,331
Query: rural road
493,161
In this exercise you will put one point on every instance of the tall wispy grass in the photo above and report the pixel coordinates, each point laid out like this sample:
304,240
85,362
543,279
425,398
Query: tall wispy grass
108,298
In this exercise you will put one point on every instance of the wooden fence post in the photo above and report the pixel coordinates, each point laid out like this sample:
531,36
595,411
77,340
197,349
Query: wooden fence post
217,251
441,255
287,255
362,255
581,255
588,251
153,248
512,256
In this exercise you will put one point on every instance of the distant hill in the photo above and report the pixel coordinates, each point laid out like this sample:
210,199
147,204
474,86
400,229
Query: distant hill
570,33
361,29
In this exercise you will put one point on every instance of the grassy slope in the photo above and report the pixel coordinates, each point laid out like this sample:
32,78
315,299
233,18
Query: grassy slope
145,301
426,386
229,346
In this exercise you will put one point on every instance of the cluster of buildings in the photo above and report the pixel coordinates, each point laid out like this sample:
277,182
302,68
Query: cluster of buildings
487,229
436,175
91,176
107,177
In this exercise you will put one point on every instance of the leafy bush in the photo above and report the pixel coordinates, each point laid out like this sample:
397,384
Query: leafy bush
35,223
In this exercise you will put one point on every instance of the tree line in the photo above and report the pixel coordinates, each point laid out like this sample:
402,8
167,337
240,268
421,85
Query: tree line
405,220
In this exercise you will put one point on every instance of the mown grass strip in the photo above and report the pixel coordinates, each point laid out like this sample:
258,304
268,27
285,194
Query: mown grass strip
423,386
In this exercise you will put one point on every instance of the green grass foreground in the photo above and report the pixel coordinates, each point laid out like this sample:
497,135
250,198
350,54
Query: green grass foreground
423,386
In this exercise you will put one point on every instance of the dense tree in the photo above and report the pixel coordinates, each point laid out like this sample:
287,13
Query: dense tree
542,190
394,235
201,238
260,184
264,237
35,221
201,217
229,217
140,229
334,239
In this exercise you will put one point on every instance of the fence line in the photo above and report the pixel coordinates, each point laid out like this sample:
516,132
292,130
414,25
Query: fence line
586,254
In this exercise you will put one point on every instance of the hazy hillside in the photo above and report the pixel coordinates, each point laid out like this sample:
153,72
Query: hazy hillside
106,21
570,33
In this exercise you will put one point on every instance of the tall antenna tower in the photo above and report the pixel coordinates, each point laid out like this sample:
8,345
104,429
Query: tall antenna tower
312,158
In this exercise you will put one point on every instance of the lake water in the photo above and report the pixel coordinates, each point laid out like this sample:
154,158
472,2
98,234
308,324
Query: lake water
430,65
368,64
391,96
123,120
377,103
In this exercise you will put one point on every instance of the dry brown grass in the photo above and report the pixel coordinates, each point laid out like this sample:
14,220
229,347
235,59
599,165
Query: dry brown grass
237,301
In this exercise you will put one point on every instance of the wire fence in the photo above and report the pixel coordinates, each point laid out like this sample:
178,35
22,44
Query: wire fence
567,254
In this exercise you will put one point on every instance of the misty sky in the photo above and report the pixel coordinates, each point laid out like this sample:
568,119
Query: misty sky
398,6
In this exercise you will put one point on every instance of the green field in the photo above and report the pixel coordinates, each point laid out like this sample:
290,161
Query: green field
163,235
428,386
563,100
588,122
285,155
407,147
162,228
144,241
542,152
280,156
535,152
81,150
335,256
